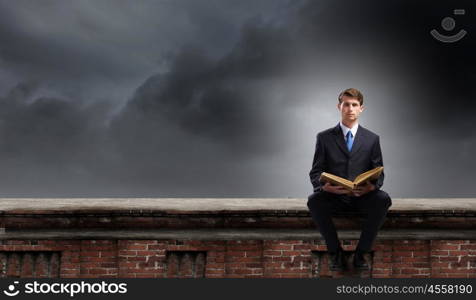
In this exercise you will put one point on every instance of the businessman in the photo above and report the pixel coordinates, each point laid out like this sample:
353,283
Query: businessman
346,151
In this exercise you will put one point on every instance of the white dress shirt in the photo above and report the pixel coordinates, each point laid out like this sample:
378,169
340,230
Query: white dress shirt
346,129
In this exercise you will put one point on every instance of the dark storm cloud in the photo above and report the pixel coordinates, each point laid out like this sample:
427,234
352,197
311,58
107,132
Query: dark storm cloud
116,38
192,126
96,50
235,99
47,144
207,121
222,99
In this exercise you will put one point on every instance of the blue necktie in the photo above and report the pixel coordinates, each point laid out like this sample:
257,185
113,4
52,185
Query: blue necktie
350,140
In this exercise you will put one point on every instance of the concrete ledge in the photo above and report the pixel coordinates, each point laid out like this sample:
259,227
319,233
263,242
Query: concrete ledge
213,205
219,214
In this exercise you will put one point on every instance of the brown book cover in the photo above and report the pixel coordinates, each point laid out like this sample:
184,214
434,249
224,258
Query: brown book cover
351,185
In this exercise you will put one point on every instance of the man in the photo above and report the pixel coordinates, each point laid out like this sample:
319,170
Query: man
348,150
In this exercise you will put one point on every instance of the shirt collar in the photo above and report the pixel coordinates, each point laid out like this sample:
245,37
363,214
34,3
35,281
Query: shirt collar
346,129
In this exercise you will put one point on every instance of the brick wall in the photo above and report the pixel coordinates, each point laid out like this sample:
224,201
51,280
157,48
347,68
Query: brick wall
232,258
117,239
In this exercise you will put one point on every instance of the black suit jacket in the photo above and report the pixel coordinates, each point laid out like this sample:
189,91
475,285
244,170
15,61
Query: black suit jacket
332,155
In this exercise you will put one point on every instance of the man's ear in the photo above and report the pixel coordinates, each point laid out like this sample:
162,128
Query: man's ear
338,106
362,107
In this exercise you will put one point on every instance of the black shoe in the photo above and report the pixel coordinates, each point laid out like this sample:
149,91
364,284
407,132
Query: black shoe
360,262
337,261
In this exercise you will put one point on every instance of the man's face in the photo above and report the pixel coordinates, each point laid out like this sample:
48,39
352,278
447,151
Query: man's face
350,109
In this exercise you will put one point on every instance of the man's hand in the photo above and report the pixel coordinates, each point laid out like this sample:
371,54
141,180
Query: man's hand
363,189
335,189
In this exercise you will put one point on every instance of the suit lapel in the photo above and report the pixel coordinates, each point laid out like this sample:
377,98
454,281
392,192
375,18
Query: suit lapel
358,141
339,138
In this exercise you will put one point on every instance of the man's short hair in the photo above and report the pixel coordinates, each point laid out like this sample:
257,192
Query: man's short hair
352,93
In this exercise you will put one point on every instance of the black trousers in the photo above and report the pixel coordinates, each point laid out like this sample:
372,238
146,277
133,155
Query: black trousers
373,205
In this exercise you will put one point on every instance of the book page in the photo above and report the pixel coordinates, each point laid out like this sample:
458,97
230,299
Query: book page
369,175
337,180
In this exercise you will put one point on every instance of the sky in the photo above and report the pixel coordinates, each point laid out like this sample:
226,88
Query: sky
224,98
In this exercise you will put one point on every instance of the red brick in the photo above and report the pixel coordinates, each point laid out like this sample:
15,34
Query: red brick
108,265
422,265
381,265
440,264
236,253
244,247
254,265
214,271
68,271
137,258
402,265
279,247
127,253
448,258
302,247
402,254
293,270
234,265
101,259
253,276
272,253
244,259
127,264
281,258
455,242
253,253
136,247
446,247
90,254
243,242
458,275
294,253
146,253
65,265
215,266
414,259
421,253
382,276
458,253
381,271
239,271
439,253
411,247
449,270
409,271
157,247
108,253
98,248
273,265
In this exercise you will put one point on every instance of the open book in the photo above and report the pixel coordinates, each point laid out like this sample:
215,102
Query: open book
350,185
